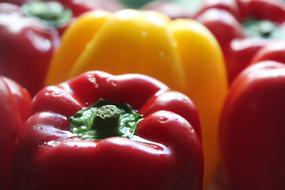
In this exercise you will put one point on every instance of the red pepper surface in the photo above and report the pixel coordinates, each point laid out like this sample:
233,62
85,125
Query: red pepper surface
163,152
252,129
16,105
26,48
79,7
17,2
274,51
242,28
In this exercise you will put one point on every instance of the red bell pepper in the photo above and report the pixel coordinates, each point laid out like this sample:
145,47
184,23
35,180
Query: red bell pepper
138,135
53,14
242,28
15,107
26,48
252,129
60,14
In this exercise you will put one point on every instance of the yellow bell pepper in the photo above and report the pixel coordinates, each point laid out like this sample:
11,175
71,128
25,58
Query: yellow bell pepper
180,53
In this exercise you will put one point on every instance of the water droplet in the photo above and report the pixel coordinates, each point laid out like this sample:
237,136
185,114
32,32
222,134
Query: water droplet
163,119
92,80
113,83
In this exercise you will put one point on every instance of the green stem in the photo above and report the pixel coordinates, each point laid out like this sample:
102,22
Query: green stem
51,12
105,119
136,3
263,29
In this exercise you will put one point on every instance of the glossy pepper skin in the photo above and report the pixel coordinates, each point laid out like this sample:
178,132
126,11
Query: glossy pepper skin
26,48
149,43
15,108
164,153
274,51
235,25
252,128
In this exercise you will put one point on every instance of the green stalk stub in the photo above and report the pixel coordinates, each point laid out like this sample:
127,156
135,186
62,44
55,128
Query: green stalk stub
263,29
53,13
105,119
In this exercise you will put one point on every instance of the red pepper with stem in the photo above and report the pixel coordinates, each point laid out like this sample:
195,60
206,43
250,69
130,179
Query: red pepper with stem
79,7
15,107
102,131
53,14
243,28
60,14
26,47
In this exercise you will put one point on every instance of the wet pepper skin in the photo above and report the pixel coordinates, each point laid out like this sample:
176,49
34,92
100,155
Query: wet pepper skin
225,19
15,108
252,128
26,48
146,42
164,153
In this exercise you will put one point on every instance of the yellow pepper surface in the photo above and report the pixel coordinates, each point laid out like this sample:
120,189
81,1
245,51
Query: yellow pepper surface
180,53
